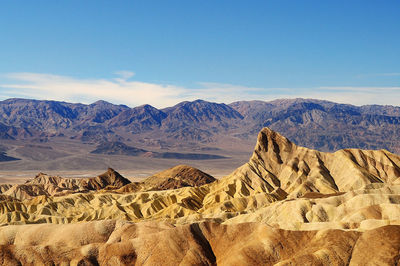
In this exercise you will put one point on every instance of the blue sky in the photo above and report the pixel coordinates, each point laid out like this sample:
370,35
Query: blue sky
123,51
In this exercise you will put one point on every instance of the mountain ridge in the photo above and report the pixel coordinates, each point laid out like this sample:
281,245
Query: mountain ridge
45,185
287,205
282,184
317,124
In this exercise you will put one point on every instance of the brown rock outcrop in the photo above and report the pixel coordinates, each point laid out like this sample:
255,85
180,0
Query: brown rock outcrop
298,170
155,243
45,185
175,177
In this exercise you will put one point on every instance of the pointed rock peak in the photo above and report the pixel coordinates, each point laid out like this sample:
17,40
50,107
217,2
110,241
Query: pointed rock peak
114,178
268,140
101,102
44,179
183,175
110,170
272,147
184,171
146,107
40,174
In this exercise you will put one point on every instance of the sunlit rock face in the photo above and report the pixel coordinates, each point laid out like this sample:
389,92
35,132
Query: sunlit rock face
288,205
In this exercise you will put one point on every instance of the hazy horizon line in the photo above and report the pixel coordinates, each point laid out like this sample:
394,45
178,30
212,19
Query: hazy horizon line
124,89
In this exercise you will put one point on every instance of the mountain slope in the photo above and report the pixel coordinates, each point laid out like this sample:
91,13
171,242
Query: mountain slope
44,185
298,170
282,184
151,243
325,125
141,118
289,205
198,120
175,177
200,111
322,125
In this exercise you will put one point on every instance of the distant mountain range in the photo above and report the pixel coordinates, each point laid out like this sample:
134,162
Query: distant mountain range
317,124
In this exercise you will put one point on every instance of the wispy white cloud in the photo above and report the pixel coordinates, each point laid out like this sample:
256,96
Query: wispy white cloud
117,90
125,74
126,91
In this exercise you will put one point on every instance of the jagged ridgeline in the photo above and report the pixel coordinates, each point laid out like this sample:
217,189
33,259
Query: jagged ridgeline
283,184
45,185
321,125
288,205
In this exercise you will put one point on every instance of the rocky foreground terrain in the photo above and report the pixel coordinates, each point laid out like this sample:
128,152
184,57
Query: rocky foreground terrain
288,205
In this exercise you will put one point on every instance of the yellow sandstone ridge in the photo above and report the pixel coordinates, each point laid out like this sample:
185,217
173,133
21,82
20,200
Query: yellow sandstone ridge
288,205
282,185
